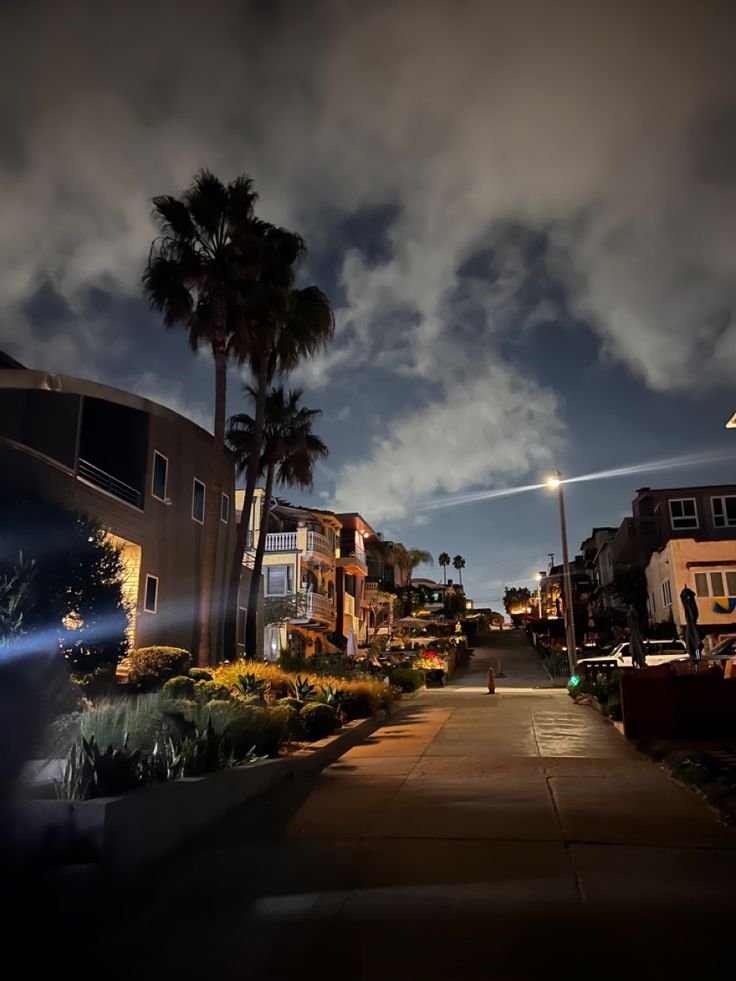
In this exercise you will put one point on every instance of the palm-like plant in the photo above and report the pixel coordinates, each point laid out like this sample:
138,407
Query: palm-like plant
207,252
418,556
444,560
285,326
459,563
288,452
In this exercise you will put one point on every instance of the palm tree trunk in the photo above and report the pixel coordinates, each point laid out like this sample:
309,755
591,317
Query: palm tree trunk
213,504
231,618
255,582
444,574
460,573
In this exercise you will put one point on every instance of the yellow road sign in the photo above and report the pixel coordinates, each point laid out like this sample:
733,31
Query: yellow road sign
731,424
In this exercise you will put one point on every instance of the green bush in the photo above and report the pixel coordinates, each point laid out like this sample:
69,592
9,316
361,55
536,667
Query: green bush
319,720
407,679
200,674
256,728
293,703
206,691
295,727
150,667
179,687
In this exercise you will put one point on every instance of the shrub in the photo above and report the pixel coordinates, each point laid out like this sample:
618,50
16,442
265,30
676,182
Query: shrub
292,703
407,679
200,674
206,691
249,684
179,687
303,688
150,667
136,722
257,729
319,720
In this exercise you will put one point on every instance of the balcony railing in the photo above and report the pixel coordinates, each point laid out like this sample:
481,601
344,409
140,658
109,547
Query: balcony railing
318,543
319,606
105,481
281,541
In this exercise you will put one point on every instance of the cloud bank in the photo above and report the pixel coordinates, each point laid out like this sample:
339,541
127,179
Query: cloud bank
608,130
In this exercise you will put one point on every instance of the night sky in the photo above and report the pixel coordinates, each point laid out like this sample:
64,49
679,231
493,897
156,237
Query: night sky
524,214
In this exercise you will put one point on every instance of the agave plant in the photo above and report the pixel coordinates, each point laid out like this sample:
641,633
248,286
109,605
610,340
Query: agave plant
333,696
250,685
303,689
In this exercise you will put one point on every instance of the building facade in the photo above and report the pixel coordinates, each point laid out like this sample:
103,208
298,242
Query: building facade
141,472
299,575
706,567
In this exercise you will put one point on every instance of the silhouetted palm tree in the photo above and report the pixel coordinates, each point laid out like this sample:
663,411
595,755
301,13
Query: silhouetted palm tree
285,326
459,563
208,249
289,450
444,560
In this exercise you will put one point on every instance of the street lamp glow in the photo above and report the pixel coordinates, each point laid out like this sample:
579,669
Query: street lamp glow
553,482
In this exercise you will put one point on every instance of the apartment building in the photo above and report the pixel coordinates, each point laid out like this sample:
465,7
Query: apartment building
138,469
706,567
299,563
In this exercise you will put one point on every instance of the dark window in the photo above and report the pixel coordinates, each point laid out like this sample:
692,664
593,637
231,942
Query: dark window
724,512
683,513
198,501
225,508
150,603
160,474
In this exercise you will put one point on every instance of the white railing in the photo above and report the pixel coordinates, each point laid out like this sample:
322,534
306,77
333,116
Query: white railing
318,543
281,541
319,606
371,587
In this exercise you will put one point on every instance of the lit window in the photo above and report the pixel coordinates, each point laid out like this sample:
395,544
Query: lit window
724,512
683,513
666,593
160,475
279,580
150,600
225,508
198,501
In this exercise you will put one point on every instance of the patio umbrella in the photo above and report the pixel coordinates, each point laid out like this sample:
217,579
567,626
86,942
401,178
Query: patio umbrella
638,657
692,634
410,622
352,645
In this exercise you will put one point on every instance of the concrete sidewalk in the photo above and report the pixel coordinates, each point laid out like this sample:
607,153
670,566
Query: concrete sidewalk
474,836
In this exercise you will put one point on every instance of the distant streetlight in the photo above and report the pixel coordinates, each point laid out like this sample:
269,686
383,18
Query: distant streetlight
555,482
538,577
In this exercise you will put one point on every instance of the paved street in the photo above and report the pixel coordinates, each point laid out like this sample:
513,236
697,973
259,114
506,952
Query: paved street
474,836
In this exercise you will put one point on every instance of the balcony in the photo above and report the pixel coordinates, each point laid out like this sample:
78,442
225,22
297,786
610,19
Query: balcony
319,607
636,539
319,545
353,562
281,541
91,474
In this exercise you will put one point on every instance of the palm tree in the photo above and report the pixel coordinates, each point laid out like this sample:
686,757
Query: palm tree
418,556
444,560
286,325
459,563
196,270
288,452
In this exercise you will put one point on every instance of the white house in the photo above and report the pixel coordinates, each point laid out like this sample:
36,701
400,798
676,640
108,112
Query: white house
707,567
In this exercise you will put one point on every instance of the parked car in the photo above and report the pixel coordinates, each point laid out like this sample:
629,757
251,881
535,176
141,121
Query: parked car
656,652
726,648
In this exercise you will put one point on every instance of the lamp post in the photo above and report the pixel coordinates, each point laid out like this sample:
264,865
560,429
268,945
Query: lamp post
556,483
539,594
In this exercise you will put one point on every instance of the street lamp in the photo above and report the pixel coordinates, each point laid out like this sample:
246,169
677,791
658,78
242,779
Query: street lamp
538,577
556,483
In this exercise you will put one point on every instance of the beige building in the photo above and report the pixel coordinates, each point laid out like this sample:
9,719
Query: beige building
707,567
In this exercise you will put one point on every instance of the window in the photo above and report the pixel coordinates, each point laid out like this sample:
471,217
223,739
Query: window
666,593
225,508
718,583
150,600
683,513
724,511
279,580
198,501
160,475
652,604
